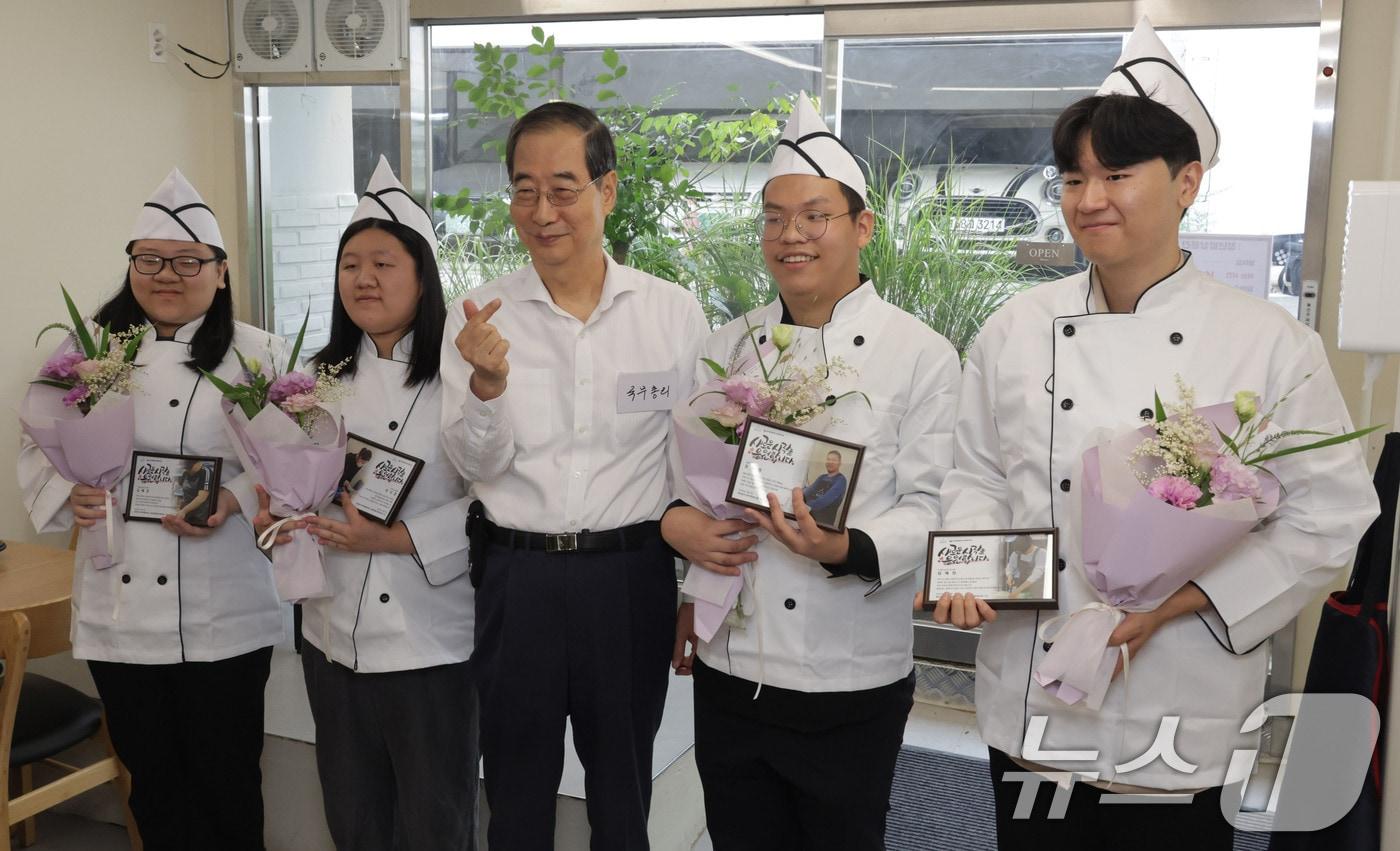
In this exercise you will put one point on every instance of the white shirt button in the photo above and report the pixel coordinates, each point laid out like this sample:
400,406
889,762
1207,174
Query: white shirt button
578,475
583,429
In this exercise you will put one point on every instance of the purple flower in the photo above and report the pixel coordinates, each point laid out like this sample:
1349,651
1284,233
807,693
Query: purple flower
1230,479
77,395
291,384
1174,490
748,395
62,366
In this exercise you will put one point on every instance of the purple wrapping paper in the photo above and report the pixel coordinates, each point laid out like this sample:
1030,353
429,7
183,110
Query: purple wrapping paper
1137,551
300,473
92,450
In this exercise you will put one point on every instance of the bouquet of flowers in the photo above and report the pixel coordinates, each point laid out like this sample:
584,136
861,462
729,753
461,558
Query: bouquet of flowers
286,432
80,414
764,380
1159,505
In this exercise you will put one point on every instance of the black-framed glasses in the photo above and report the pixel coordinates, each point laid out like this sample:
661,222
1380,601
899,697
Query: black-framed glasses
812,224
184,265
523,197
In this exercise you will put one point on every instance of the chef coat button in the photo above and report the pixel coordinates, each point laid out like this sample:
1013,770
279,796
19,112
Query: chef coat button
1145,413
789,604
1045,645
126,578
859,340
1176,338
161,580
1064,485
830,400
1069,331
762,338
1067,404
1059,564
383,598
393,425
174,403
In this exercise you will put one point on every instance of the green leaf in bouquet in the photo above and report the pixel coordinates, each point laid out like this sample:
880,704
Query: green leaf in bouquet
1318,444
79,329
50,382
296,349
1159,413
133,345
715,367
104,340
723,432
235,394
49,327
1228,441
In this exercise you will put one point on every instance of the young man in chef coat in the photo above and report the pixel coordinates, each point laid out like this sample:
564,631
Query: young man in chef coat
577,591
799,713
1067,358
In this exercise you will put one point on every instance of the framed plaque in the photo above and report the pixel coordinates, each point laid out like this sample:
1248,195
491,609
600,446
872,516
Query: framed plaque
162,484
775,458
379,478
1009,568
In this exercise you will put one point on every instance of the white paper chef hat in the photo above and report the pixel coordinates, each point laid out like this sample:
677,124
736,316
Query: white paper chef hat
1147,69
177,212
807,147
385,198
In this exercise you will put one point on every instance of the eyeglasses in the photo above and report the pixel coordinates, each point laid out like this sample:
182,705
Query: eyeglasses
812,224
184,266
521,197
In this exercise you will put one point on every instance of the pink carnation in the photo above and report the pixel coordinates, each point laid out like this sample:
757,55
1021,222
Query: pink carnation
729,414
78,394
748,395
1231,478
299,403
62,366
87,368
289,385
1174,490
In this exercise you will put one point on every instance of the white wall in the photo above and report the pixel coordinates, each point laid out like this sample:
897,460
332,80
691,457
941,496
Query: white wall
89,128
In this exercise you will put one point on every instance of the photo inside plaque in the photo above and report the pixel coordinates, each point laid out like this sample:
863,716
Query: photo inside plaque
775,459
1009,568
379,478
182,486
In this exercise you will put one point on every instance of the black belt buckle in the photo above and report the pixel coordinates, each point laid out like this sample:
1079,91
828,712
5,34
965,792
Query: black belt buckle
563,542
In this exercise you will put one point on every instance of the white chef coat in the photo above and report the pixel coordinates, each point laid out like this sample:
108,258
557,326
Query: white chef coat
173,599
552,453
811,632
1048,370
392,612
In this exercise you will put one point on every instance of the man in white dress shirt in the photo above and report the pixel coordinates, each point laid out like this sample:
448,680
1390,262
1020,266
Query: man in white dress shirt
576,590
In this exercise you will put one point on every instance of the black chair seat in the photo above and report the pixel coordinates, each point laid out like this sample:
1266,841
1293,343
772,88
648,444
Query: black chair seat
51,718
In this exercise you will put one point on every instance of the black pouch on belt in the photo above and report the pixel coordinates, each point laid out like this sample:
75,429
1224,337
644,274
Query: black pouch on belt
476,541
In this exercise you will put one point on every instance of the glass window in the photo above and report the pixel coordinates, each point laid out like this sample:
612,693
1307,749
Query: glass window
317,146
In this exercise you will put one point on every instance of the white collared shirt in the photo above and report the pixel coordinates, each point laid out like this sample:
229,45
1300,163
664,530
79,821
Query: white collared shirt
552,453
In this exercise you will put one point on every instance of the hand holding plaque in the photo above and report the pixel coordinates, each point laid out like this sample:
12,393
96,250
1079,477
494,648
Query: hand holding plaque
776,459
1008,568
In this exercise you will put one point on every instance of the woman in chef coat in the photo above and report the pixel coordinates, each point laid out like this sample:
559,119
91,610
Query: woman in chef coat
178,635
386,655
807,760
1066,359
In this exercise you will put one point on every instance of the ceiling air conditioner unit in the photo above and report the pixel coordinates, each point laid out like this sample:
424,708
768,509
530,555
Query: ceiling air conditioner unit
361,35
271,35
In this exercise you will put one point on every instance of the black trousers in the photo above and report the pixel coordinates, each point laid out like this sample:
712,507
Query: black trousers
397,755
585,636
191,734
796,770
1093,826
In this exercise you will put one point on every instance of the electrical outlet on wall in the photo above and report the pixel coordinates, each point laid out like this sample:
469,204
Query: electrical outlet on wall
156,42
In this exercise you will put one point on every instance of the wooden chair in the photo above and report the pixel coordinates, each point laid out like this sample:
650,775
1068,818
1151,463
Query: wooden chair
40,718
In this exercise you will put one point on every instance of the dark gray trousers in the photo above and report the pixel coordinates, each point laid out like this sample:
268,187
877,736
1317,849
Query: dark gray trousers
397,754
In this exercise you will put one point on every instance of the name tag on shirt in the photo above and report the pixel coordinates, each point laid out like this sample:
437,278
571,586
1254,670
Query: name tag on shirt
645,391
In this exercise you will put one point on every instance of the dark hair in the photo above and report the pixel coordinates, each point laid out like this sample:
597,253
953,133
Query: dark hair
1124,131
428,322
211,340
853,199
365,453
598,151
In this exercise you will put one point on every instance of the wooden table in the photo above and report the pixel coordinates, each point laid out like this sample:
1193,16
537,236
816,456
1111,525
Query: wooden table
34,575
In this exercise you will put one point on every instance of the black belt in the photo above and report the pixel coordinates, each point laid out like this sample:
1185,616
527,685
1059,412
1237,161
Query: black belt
631,537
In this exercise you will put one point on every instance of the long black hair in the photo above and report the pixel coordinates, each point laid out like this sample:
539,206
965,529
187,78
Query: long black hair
428,322
211,340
